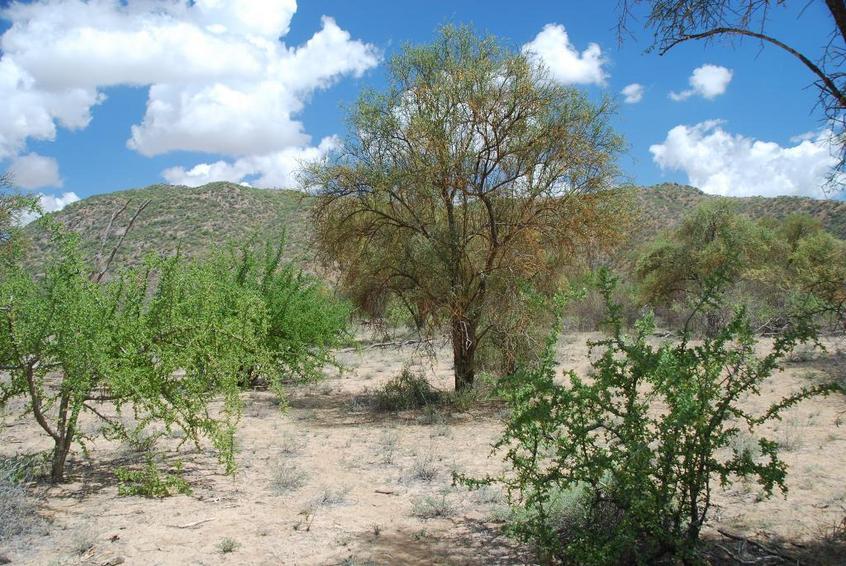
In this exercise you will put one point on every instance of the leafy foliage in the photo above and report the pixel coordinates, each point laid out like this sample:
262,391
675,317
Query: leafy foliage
164,341
636,448
712,239
149,482
13,208
305,321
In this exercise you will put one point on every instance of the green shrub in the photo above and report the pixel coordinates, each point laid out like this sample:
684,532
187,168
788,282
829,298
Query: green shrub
406,391
637,481
432,507
163,340
305,321
149,482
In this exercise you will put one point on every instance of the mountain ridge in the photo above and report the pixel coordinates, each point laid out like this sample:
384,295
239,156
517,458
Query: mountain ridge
196,220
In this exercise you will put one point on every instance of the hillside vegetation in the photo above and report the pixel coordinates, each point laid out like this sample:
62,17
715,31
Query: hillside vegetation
195,220
199,219
664,206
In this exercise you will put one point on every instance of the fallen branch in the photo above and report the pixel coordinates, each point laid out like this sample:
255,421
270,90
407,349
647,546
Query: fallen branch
758,545
192,525
740,560
398,343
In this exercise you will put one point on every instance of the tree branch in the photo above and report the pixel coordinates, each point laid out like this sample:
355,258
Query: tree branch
826,80
98,276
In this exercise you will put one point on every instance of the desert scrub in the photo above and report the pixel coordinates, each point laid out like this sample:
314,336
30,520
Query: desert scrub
331,497
636,482
288,478
18,513
388,446
228,545
292,444
425,467
150,482
433,506
406,391
24,468
305,320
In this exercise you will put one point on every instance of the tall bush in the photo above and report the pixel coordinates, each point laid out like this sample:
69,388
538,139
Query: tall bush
305,321
619,468
162,341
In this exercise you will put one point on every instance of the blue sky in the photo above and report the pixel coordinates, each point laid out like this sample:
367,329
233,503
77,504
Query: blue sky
244,90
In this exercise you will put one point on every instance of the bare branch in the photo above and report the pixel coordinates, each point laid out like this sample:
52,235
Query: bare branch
100,273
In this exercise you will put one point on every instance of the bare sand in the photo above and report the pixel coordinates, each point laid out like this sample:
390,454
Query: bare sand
328,481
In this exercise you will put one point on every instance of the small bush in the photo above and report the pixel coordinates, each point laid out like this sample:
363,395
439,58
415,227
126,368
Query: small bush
291,444
149,482
288,478
18,513
227,545
425,468
24,468
83,540
432,507
330,497
408,390
388,446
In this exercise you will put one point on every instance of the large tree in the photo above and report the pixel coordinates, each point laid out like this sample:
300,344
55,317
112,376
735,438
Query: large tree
678,21
472,176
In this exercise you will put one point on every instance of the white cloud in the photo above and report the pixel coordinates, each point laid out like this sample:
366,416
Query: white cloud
722,163
633,93
812,135
50,204
707,81
273,170
552,47
55,204
34,171
220,79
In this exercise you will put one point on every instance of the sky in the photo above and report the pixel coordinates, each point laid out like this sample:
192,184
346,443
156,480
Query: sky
105,95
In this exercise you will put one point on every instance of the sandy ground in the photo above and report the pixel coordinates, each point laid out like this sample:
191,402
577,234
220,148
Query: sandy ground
330,482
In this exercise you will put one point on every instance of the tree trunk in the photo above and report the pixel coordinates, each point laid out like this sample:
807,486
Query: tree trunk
838,12
464,352
60,455
712,324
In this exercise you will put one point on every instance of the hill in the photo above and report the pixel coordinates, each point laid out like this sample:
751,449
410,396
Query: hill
663,206
194,220
197,220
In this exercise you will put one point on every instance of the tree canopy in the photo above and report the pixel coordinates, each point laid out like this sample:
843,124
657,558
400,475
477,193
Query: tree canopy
472,174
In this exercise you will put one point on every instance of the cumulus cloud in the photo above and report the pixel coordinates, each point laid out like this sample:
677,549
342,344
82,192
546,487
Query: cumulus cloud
34,171
221,80
272,170
50,203
722,163
552,47
707,81
632,93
